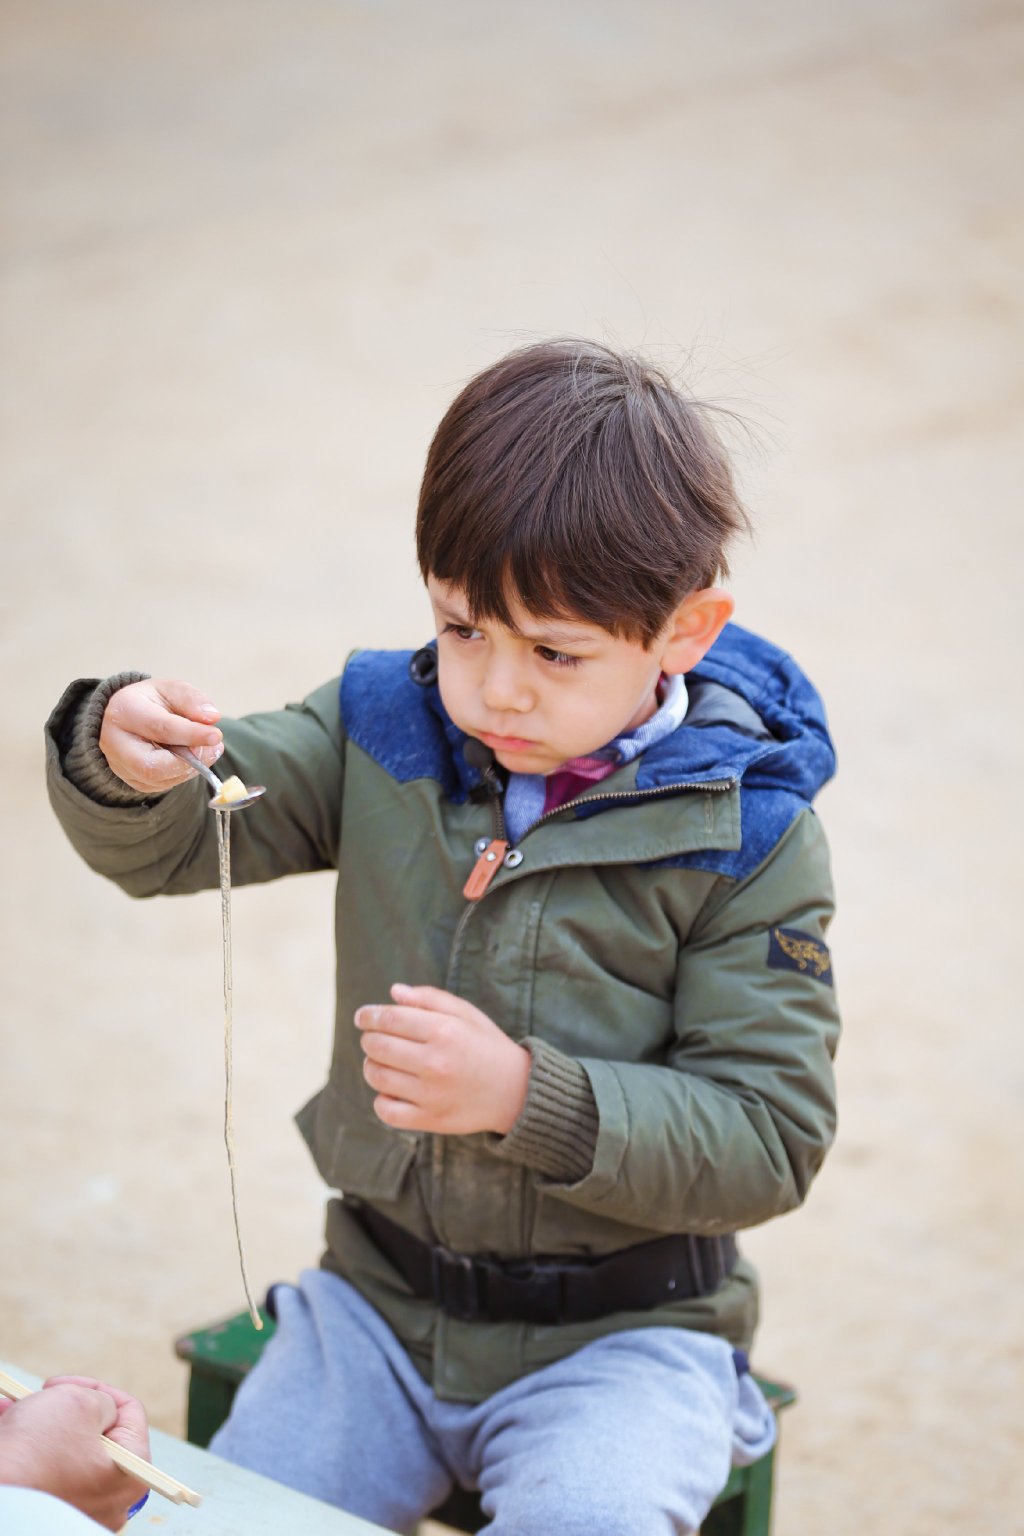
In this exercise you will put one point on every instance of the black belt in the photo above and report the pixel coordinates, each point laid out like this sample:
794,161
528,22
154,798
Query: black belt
551,1290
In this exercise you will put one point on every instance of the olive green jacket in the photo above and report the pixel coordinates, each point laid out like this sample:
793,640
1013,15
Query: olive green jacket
659,949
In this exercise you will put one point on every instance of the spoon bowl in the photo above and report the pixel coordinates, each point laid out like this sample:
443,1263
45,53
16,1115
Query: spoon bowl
218,803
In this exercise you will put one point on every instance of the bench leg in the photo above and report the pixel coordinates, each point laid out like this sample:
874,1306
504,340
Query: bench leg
747,1511
757,1505
209,1403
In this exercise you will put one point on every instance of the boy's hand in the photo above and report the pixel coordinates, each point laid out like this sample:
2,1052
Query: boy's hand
143,716
439,1064
50,1440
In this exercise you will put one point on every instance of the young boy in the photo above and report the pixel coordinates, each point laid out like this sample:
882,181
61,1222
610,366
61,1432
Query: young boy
585,1007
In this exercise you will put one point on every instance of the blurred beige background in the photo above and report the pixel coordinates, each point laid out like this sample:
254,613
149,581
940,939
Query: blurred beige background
250,251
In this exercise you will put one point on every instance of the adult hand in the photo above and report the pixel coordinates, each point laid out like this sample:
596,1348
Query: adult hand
50,1440
438,1064
144,716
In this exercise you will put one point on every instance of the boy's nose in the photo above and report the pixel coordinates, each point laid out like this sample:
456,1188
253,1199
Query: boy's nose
505,688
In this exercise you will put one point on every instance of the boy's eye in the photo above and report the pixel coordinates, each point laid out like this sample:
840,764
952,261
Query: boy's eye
557,658
461,631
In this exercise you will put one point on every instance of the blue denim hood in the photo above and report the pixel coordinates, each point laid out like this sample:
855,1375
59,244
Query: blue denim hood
754,720
753,717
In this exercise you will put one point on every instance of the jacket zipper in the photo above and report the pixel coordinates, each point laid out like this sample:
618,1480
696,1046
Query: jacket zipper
490,856
497,802
716,786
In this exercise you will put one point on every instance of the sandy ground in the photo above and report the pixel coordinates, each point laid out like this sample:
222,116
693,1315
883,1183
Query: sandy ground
250,251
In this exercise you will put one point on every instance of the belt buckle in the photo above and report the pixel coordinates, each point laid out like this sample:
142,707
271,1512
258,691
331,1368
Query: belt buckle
533,1291
456,1283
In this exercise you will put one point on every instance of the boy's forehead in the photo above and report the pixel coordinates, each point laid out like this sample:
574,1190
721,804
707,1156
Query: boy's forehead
452,604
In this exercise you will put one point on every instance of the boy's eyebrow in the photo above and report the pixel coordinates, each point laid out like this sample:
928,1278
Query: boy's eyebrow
550,637
452,615
554,637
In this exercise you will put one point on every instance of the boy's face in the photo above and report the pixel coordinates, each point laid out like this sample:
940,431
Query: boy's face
542,692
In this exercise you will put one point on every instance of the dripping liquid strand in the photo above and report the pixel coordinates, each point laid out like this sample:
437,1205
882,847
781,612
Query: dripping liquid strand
224,859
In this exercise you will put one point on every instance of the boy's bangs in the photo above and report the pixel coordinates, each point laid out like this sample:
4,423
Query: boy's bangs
515,584
528,570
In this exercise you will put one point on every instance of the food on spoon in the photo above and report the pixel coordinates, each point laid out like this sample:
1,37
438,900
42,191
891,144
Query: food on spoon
231,790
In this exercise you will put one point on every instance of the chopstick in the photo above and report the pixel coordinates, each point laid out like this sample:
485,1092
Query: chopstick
135,1466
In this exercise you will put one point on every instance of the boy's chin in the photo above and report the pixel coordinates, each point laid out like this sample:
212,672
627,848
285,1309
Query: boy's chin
522,759
529,762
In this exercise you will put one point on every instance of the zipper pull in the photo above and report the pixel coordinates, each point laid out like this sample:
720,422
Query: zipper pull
485,869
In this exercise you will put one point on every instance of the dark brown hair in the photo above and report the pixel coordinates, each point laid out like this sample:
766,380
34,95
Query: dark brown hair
581,482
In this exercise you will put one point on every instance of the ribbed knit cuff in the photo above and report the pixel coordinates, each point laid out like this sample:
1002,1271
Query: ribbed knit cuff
84,763
556,1133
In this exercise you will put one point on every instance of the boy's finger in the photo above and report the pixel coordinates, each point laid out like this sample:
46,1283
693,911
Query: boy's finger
396,1085
393,1051
435,999
185,700
162,763
411,1023
153,722
400,1114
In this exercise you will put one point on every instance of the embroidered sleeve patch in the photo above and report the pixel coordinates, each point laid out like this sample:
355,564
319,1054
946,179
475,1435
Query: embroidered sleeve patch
791,950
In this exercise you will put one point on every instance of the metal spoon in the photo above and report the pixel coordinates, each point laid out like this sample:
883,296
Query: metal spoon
252,793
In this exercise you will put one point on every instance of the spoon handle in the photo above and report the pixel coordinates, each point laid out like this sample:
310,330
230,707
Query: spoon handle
208,774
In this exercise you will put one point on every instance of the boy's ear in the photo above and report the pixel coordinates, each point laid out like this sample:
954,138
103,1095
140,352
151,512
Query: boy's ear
694,627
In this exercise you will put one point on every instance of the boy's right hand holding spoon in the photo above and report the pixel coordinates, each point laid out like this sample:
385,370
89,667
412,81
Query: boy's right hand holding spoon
144,719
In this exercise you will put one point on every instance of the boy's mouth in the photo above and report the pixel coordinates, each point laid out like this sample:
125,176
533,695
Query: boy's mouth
507,743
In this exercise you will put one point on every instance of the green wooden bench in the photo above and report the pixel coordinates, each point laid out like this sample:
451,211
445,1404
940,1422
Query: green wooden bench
220,1355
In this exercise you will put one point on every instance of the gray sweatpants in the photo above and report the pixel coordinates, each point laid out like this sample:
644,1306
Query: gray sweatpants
632,1434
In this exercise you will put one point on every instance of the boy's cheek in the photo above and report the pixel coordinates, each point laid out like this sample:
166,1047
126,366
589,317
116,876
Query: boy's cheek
454,698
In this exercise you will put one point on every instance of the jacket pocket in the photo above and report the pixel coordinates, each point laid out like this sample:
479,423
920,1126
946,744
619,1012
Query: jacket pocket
353,1154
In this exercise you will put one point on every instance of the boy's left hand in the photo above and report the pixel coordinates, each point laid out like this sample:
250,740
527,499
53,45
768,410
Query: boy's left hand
438,1064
